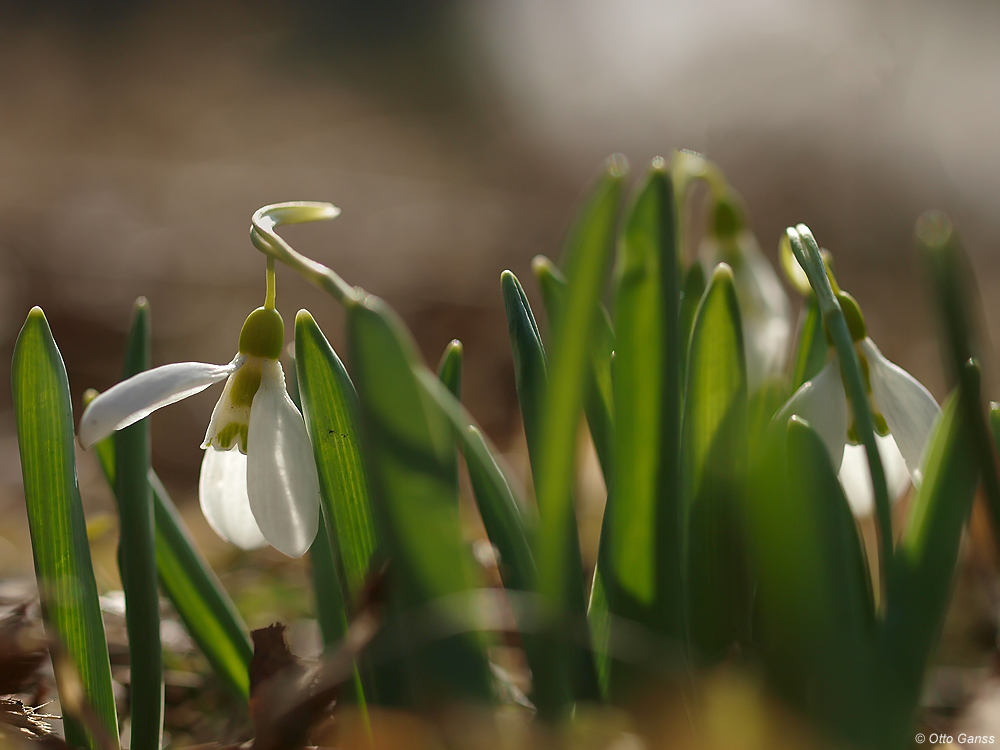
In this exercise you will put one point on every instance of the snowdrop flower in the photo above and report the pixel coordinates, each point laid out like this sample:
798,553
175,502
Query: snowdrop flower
904,412
258,479
764,307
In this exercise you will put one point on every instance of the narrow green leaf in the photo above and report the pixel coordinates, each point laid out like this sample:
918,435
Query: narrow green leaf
44,415
574,325
331,411
450,367
960,307
450,373
408,443
926,558
530,368
597,400
691,293
208,614
137,553
714,459
811,349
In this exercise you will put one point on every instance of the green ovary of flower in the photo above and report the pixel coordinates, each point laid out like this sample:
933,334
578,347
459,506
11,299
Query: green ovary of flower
263,335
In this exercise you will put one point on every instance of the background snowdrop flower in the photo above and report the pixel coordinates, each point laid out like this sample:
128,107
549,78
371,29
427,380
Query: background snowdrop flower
764,308
258,480
904,412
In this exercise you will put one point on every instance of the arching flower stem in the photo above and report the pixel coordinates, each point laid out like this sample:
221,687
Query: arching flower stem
267,219
809,256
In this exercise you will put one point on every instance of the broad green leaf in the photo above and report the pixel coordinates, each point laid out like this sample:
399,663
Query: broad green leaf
208,614
408,443
574,325
815,612
530,369
598,397
644,518
713,463
925,562
812,346
44,415
331,411
137,553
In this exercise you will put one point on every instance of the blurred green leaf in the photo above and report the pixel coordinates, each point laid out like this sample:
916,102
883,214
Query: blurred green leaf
691,293
816,611
574,325
713,464
644,511
44,415
208,614
597,400
926,558
408,444
137,553
960,307
450,373
811,347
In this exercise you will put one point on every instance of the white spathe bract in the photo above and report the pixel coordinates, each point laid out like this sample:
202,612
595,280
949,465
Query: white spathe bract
271,494
909,410
764,308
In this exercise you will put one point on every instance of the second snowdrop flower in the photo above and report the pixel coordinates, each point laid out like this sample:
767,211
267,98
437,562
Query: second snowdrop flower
904,410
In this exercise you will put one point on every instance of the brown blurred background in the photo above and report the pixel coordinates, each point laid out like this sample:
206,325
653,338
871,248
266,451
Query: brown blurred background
136,139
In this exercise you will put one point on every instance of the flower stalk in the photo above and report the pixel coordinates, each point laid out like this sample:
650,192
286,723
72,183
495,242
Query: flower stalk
809,257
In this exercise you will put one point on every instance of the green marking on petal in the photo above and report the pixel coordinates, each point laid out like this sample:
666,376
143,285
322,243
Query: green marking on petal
233,430
263,334
246,381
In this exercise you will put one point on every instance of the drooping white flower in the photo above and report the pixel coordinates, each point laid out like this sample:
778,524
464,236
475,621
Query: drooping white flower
903,409
258,480
764,308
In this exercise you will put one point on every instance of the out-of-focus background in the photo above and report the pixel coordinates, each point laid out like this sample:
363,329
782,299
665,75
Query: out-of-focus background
137,137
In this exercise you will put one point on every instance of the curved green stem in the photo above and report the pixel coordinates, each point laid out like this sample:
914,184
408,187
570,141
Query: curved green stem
810,258
262,233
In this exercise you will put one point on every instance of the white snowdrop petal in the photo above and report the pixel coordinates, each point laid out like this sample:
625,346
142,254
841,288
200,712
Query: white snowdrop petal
856,479
281,474
131,400
909,409
222,491
823,404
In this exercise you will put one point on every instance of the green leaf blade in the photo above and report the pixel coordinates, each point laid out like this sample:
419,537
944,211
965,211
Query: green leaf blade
561,580
137,552
332,416
714,457
408,443
44,415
